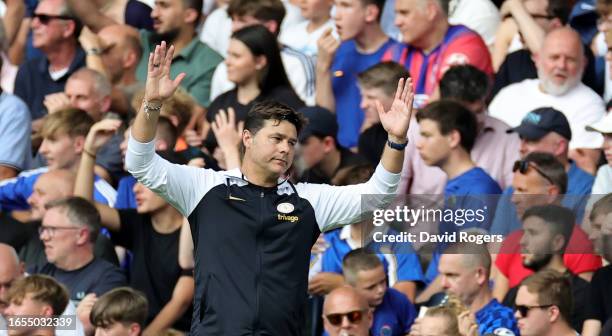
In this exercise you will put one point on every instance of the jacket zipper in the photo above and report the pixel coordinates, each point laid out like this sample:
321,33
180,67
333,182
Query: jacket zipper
258,265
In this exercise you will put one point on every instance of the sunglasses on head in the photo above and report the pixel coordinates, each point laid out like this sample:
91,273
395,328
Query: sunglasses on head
524,310
45,18
523,167
354,317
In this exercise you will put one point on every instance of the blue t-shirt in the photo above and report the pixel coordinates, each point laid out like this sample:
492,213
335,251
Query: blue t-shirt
579,184
394,316
126,199
471,190
15,132
399,265
496,319
14,193
348,63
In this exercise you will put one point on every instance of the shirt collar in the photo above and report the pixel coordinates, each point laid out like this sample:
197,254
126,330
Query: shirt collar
189,49
77,62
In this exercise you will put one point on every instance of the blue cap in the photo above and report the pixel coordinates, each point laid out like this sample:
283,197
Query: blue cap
539,122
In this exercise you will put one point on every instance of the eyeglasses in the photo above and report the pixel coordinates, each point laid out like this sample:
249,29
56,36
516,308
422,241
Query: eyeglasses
354,317
524,310
51,230
523,167
45,18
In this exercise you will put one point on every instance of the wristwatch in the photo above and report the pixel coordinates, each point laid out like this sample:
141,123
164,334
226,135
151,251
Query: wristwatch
397,146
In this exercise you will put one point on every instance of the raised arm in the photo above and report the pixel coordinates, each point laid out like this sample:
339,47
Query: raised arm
335,206
159,87
327,47
98,135
91,17
182,186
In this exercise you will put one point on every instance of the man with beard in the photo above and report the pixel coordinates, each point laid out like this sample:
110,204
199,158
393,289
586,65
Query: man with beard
560,65
175,22
546,233
600,306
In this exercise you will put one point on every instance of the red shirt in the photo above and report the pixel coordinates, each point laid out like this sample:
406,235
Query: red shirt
459,46
510,264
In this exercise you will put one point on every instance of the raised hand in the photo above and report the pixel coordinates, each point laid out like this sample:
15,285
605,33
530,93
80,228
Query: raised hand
226,131
397,120
56,101
100,133
159,85
327,46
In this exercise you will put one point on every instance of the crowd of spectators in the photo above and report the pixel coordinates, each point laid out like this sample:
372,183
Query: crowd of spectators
512,101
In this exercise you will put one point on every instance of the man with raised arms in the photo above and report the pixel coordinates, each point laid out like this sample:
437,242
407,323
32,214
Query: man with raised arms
234,215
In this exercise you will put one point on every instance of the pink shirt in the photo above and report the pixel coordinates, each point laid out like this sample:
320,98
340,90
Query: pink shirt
494,151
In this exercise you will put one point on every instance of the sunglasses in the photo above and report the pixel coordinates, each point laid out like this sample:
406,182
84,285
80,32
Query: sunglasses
524,310
523,167
354,317
45,18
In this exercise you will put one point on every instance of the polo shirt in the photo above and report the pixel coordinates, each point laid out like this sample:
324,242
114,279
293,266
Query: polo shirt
33,82
197,60
394,316
347,64
496,319
399,266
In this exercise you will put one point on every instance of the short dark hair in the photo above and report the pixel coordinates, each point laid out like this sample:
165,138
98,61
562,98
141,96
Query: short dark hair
560,9
552,288
450,116
380,4
263,10
123,304
43,288
551,167
464,83
604,7
384,76
79,212
358,260
196,5
272,110
602,207
560,220
354,174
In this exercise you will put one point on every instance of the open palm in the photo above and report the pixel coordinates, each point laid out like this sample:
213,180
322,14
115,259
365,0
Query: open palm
397,120
159,84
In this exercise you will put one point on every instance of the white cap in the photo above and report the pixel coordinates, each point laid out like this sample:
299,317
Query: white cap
602,126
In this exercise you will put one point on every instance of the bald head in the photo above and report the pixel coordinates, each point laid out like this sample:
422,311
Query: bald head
561,61
121,51
10,270
343,299
50,186
345,312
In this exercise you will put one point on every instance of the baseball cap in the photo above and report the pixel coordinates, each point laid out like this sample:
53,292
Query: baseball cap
602,126
321,122
541,121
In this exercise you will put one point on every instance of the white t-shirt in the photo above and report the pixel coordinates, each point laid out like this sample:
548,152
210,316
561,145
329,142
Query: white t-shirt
581,106
299,68
603,181
479,15
217,30
298,38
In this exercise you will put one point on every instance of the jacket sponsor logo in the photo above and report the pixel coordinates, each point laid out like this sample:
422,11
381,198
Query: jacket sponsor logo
285,208
286,218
